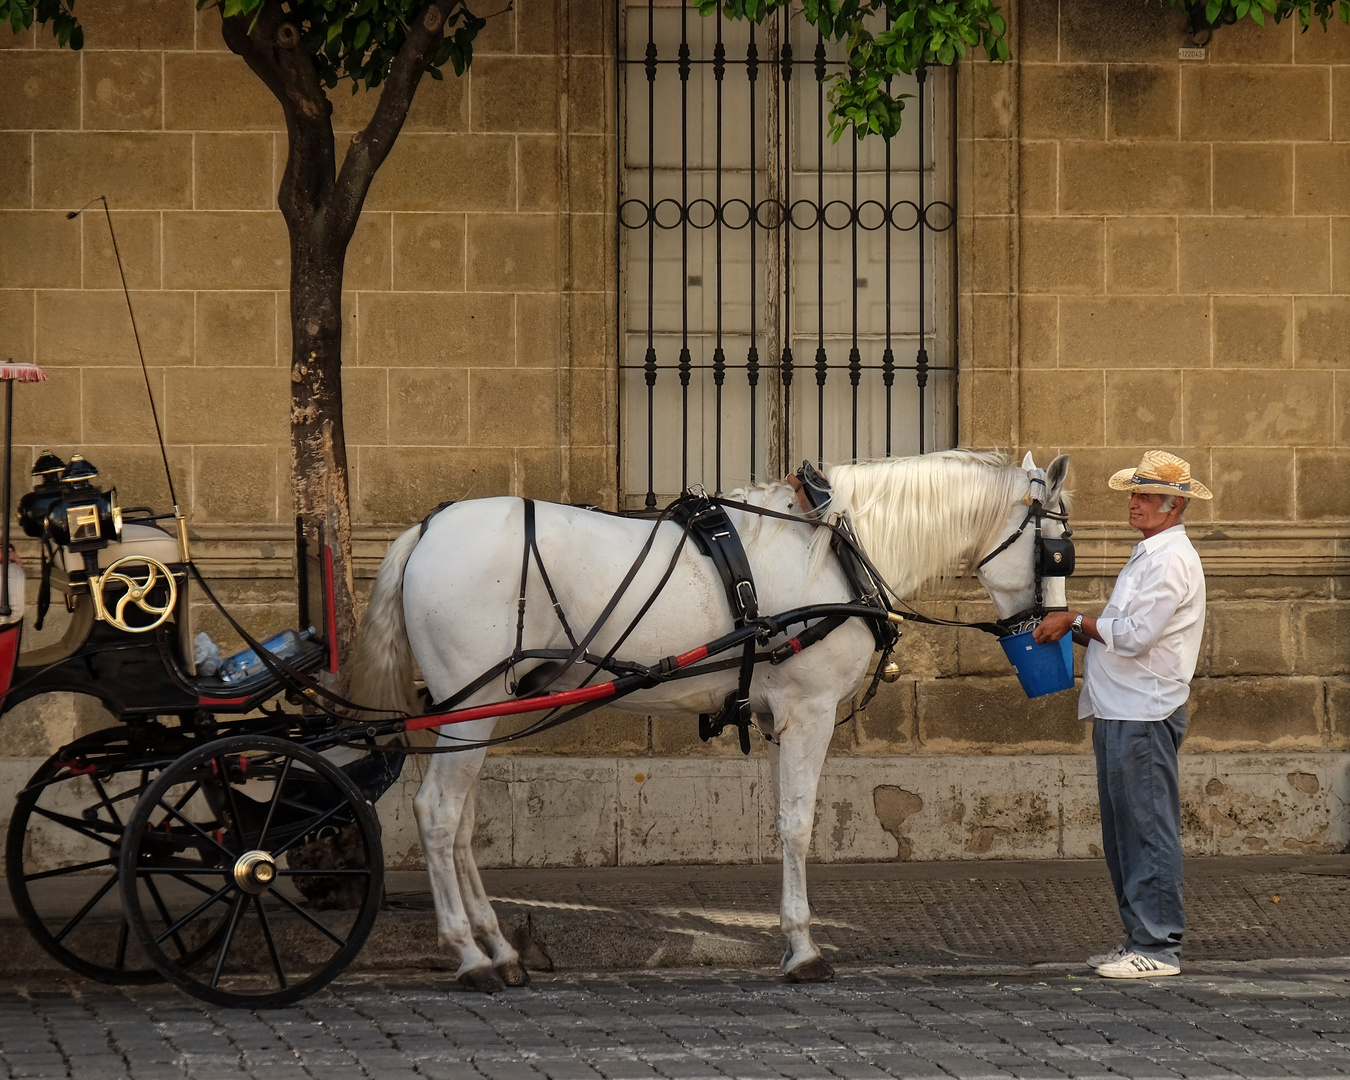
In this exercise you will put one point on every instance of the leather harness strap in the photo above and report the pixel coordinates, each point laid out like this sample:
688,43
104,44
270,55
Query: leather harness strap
813,496
715,536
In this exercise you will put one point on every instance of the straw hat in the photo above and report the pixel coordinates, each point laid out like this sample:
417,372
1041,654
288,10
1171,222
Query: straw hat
1161,473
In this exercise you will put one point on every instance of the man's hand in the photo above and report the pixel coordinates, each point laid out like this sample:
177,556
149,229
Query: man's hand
1054,626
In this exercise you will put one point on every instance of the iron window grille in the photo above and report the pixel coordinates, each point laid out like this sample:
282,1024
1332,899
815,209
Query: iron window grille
782,295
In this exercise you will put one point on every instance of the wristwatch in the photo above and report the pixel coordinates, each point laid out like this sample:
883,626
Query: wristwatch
1077,626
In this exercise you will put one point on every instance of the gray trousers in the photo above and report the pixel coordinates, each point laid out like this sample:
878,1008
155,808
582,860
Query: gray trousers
1141,827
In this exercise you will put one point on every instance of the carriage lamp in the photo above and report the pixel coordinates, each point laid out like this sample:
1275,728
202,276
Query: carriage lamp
91,518
47,491
48,469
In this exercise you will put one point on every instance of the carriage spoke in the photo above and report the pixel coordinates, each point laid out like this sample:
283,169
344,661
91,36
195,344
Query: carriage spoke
107,803
120,963
267,935
79,826
197,829
88,907
164,913
76,869
272,808
308,827
188,881
237,821
308,917
229,938
214,898
192,790
182,868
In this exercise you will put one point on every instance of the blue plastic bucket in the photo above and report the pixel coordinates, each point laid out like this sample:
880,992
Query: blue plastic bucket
1042,668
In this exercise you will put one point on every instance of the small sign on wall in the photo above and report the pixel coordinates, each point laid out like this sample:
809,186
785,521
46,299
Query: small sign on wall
1191,54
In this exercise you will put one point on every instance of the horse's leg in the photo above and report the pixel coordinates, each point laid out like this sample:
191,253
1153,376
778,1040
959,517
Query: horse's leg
439,807
482,919
804,737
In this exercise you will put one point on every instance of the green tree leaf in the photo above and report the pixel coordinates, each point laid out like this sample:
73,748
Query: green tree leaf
884,39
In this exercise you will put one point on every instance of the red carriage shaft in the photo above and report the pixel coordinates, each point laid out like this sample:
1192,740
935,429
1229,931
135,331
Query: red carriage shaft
763,628
547,701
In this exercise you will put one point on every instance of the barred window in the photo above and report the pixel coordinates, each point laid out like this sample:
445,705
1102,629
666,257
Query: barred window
784,296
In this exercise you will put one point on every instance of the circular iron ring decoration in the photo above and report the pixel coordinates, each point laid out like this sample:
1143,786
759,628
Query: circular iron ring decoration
815,215
894,216
776,212
623,214
726,220
679,214
858,215
780,214
712,219
825,215
951,216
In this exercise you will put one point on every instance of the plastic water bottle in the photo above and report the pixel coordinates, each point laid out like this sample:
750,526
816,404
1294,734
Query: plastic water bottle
243,664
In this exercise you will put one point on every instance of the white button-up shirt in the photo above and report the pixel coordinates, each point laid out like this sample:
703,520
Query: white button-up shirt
1150,630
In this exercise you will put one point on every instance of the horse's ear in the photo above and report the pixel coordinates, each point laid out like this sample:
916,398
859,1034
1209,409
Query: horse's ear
1056,473
1028,462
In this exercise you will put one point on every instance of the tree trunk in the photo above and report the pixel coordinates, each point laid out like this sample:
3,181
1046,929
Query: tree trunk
321,205
318,445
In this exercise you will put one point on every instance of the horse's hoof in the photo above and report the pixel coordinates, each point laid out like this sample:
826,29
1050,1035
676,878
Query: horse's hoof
815,970
513,973
483,980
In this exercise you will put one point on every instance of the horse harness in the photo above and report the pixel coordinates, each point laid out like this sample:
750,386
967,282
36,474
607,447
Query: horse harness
1051,557
705,519
715,537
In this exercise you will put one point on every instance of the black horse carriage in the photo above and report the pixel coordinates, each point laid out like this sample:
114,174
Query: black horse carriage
201,836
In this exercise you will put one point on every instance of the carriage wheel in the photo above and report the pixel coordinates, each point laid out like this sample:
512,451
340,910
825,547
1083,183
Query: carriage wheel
274,839
61,857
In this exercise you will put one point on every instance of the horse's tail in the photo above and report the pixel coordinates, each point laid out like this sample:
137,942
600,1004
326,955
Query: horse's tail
381,671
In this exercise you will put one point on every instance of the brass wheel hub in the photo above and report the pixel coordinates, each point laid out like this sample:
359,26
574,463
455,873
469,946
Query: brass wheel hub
255,872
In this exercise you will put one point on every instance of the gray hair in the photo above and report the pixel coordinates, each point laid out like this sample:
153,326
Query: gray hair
1169,501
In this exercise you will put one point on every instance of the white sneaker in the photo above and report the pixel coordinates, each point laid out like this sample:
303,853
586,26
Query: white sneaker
1135,965
1111,957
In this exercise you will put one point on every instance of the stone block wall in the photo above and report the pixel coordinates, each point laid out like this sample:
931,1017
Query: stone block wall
1152,252
1153,255
479,304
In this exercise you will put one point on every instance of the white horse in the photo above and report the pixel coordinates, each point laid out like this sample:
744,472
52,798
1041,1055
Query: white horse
449,599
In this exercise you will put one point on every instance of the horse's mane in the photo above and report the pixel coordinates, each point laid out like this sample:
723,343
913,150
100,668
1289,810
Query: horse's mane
920,518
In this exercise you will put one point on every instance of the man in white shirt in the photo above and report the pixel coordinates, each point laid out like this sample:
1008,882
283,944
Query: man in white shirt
1141,653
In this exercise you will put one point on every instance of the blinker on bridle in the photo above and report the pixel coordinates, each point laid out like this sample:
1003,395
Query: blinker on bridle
1051,557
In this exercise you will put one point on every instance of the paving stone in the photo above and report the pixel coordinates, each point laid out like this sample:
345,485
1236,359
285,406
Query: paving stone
1247,1021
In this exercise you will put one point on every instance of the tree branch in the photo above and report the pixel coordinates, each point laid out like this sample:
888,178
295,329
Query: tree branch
270,45
370,146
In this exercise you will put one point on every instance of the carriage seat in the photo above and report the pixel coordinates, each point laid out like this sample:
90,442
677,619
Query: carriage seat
146,541
138,539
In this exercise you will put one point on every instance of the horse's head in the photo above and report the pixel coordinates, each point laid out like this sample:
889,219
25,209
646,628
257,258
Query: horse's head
1032,555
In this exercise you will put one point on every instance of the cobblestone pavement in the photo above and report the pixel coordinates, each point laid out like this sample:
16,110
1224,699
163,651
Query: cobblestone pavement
1228,1020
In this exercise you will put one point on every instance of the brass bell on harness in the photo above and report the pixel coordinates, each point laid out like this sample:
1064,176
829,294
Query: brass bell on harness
890,671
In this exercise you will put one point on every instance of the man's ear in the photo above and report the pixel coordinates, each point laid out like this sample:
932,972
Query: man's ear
1055,475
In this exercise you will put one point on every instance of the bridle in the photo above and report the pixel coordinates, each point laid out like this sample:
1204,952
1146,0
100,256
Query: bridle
1051,557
